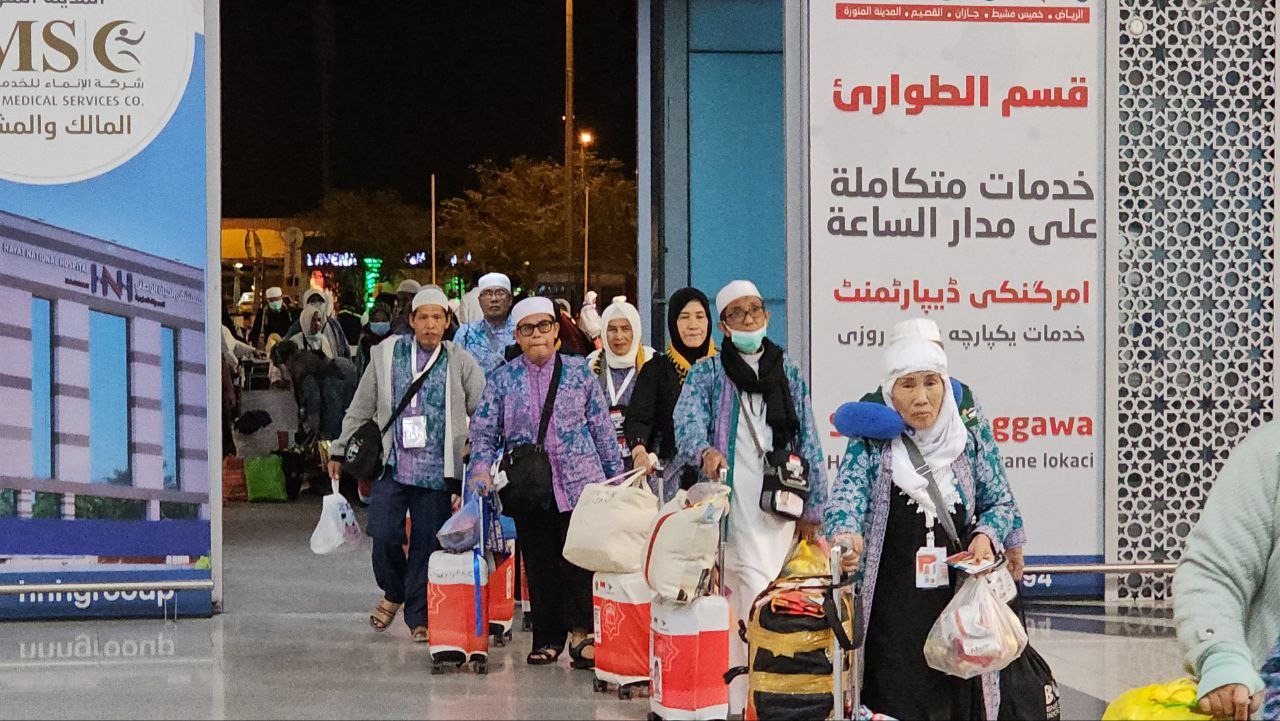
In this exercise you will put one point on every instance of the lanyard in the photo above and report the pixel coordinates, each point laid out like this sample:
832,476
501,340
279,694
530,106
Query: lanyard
615,396
430,364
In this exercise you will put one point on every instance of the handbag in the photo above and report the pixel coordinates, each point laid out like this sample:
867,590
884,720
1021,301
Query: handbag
363,459
610,525
785,488
527,466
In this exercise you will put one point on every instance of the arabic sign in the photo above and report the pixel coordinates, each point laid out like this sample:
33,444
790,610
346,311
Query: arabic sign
956,174
85,85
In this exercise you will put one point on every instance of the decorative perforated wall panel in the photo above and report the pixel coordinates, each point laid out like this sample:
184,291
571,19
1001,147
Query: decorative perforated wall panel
1197,98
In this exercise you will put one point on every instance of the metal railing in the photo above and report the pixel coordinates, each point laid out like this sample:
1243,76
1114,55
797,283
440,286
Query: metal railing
1108,569
14,589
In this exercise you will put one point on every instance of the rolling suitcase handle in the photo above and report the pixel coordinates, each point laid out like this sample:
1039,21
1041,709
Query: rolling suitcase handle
843,645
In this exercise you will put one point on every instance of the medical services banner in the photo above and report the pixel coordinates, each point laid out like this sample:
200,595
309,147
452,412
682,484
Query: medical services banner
956,174
104,450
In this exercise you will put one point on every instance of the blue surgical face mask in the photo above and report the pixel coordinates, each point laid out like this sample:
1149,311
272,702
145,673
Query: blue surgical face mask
275,305
380,327
749,341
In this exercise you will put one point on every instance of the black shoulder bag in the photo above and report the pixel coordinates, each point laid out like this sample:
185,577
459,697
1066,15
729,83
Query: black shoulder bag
527,466
784,490
364,449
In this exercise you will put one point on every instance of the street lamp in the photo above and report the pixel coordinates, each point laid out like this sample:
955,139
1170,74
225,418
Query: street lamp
585,139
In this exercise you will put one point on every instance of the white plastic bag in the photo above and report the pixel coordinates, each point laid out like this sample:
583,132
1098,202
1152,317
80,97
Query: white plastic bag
338,530
610,525
977,633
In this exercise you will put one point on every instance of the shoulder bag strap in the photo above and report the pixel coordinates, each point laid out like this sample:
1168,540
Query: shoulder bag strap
935,495
413,389
550,403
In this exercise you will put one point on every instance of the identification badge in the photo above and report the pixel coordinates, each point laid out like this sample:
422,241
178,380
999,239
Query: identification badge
615,415
1002,584
413,432
931,567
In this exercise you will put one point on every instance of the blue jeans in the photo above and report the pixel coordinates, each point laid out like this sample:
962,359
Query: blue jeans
404,579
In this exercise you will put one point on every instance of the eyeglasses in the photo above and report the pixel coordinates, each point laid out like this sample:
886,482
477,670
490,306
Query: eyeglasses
738,315
493,293
527,329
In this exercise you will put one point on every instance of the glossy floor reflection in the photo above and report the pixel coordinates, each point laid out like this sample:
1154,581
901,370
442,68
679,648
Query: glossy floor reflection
294,643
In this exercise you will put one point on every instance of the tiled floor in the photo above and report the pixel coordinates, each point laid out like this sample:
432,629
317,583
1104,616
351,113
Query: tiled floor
294,643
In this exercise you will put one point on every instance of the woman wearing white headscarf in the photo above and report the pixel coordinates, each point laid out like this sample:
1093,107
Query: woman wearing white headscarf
618,362
880,494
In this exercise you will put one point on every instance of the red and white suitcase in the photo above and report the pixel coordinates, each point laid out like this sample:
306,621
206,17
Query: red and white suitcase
451,610
502,596
620,604
689,652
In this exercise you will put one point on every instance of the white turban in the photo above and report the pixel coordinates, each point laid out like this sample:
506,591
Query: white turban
494,280
735,290
916,328
408,286
620,308
274,293
431,295
532,306
940,444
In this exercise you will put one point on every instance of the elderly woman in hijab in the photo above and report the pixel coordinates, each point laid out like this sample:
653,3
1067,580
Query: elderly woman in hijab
332,329
618,363
883,494
650,421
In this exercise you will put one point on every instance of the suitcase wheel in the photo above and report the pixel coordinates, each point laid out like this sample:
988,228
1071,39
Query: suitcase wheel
653,717
599,686
625,693
437,668
499,639
481,667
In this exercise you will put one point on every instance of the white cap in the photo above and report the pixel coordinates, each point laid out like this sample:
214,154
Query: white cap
408,286
532,306
494,280
915,328
735,290
431,295
274,293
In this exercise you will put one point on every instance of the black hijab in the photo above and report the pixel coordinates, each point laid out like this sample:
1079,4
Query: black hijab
771,382
679,300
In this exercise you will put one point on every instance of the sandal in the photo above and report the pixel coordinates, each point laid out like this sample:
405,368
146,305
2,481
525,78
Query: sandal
543,656
576,652
383,614
420,634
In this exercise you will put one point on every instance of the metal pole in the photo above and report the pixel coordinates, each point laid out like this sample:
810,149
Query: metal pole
433,229
586,236
1110,569
568,128
14,589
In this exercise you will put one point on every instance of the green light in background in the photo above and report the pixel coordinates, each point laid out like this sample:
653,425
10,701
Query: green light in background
372,267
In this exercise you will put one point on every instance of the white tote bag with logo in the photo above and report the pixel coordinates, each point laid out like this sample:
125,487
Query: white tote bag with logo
610,525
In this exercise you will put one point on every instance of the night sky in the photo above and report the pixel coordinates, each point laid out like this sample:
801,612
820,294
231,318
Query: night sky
419,87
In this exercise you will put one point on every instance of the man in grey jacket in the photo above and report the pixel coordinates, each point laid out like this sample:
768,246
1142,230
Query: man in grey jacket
1226,592
422,451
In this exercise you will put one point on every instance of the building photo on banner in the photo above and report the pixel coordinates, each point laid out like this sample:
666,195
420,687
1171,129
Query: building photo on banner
956,174
104,443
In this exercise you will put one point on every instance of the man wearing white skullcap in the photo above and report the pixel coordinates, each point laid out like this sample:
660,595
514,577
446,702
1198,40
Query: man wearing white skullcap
405,292
970,413
422,450
488,338
273,319
578,446
752,399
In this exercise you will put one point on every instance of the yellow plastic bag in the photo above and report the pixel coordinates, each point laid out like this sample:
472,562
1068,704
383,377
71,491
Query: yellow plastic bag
808,559
1173,701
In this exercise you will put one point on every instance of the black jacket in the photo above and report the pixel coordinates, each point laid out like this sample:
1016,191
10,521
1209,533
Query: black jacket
651,416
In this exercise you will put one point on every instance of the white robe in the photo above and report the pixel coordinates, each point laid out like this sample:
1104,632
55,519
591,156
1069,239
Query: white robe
758,542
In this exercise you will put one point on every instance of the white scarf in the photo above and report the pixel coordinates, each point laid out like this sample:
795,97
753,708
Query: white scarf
940,444
620,308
